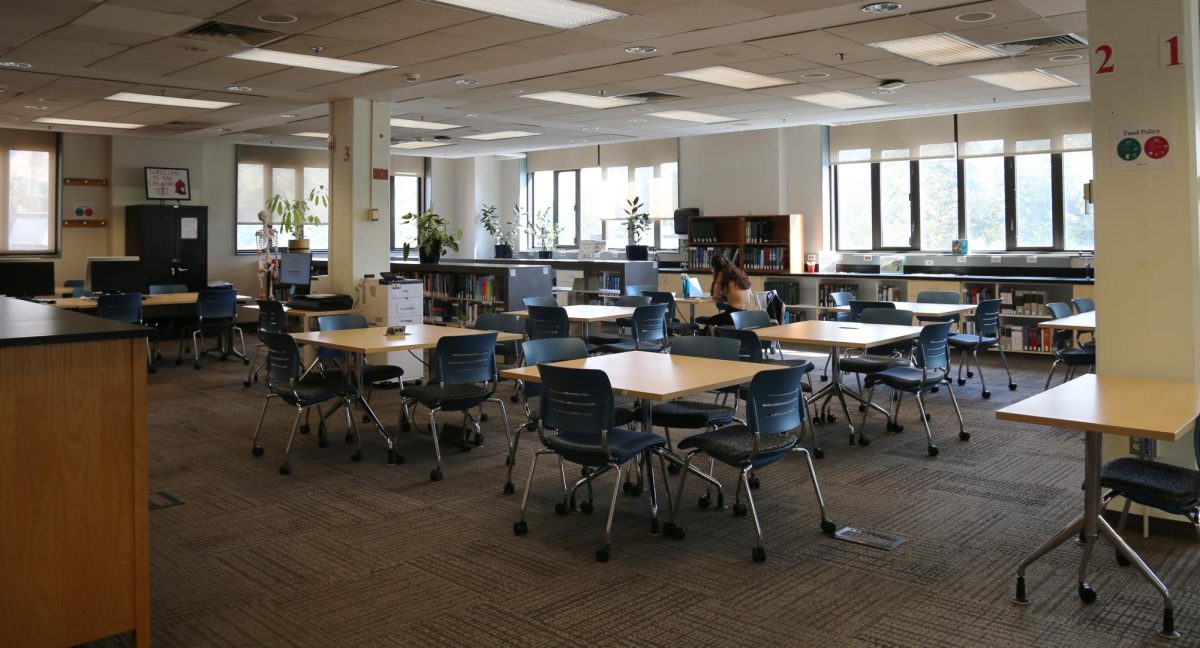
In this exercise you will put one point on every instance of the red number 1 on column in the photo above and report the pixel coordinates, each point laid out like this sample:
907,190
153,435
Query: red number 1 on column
1168,51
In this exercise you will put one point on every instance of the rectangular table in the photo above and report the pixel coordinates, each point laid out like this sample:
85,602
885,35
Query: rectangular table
1095,404
921,309
1079,322
307,317
148,301
838,336
588,313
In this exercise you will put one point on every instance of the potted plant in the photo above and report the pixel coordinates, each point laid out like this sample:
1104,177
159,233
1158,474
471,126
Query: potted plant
504,232
636,221
295,214
433,236
545,232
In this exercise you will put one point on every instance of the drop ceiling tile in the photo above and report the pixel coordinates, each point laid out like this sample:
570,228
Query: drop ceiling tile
364,31
631,29
164,56
345,7
1006,11
100,111
774,65
729,54
1010,32
60,10
81,88
1055,7
291,79
787,7
51,50
194,8
306,17
874,31
414,13
392,55
568,43
657,84
812,41
15,30
118,18
74,31
856,54
859,85
1070,23
499,30
707,13
504,55
224,70
642,7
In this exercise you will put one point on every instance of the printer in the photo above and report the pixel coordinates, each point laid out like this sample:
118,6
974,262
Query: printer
321,302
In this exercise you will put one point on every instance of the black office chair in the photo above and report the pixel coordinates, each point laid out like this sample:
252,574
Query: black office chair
628,301
216,315
545,300
271,319
1065,351
649,329
302,391
775,409
986,336
940,297
931,368
576,424
465,370
676,326
126,307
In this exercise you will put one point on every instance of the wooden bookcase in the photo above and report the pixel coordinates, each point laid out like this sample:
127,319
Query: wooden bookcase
456,293
760,245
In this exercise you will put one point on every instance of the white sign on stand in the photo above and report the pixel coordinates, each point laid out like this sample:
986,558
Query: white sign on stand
588,249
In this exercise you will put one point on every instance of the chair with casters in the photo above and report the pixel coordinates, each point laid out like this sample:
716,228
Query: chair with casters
676,326
302,390
576,424
216,315
271,319
940,297
931,368
628,301
335,363
841,298
649,327
126,307
511,349
881,358
1065,352
635,290
774,409
465,370
546,322
986,336
543,300
167,289
754,319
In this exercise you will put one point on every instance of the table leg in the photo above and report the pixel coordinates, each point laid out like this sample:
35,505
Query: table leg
648,464
358,360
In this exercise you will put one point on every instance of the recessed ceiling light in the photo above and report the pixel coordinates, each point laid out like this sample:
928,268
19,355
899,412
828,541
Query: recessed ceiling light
576,99
561,14
881,7
730,77
289,115
311,134
641,49
50,100
14,64
841,100
692,116
193,48
815,75
239,88
1035,79
470,115
419,145
1066,58
579,141
32,107
637,121
308,61
424,125
465,82
938,49
515,91
499,135
278,19
975,16
160,100
85,122
589,128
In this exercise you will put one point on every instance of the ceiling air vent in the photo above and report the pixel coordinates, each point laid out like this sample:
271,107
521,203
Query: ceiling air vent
651,97
230,33
184,126
1041,45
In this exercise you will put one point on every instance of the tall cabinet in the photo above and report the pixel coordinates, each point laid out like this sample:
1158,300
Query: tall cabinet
171,241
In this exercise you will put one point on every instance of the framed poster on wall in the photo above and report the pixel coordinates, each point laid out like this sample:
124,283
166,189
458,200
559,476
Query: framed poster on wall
167,184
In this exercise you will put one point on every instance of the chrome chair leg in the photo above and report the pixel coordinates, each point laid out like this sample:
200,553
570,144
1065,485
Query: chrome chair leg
603,553
933,450
286,467
962,430
979,368
687,462
760,553
436,473
529,484
1004,359
562,473
349,402
512,438
257,449
856,436
1053,366
812,473
662,464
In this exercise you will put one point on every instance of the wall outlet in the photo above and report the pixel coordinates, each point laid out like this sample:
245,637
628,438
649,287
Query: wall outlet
1135,447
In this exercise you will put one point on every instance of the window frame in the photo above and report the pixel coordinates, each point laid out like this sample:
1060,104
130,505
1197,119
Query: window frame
53,195
914,208
298,166
392,205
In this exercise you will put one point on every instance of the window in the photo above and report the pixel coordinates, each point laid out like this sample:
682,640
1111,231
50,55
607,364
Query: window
1035,204
406,199
31,221
566,206
938,203
983,192
263,172
594,204
895,209
617,184
251,199
664,200
854,205
318,235
1078,224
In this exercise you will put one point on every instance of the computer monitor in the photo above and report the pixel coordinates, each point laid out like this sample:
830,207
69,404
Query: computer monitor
295,269
115,275
27,278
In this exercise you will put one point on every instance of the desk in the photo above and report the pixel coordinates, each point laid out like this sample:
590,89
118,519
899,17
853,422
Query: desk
587,313
1135,407
691,302
920,309
1080,322
838,336
308,316
148,301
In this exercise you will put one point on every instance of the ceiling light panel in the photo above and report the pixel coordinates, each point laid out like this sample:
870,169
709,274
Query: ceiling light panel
731,77
576,99
419,145
423,125
841,100
499,135
560,14
692,116
308,61
938,49
1035,79
85,122
159,100
311,134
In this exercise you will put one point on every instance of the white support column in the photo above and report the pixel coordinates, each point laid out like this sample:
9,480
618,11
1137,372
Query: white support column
359,205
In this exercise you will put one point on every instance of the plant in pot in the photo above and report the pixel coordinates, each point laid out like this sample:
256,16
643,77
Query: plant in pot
505,232
295,214
433,236
545,233
637,220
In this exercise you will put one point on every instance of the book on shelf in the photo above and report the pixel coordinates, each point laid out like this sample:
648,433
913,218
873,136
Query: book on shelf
825,292
460,286
789,291
759,232
700,256
976,294
766,258
888,293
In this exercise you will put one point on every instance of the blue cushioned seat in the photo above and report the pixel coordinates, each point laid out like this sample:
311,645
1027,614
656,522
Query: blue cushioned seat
1142,479
691,414
732,445
623,444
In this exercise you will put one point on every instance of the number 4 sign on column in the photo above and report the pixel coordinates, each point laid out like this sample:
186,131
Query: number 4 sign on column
1168,51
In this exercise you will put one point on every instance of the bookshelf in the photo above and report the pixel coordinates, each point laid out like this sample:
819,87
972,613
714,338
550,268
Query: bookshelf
760,245
457,293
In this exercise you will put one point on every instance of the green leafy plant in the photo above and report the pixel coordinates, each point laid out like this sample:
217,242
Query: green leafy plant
545,230
295,214
505,232
434,237
637,220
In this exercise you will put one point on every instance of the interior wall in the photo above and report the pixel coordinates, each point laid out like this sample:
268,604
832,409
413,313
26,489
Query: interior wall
84,156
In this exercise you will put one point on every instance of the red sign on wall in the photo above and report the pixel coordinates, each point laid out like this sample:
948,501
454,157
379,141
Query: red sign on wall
379,174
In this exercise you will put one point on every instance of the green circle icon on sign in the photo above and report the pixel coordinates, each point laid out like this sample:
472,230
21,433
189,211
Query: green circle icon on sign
1129,149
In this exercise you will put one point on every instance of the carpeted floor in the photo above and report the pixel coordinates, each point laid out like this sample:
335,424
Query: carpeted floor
366,554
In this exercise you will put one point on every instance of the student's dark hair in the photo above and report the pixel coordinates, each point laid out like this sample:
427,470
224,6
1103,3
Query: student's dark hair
725,271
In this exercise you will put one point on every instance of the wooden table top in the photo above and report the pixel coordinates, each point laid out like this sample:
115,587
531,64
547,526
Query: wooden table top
853,335
588,313
657,376
299,312
1079,322
373,340
922,309
147,300
1136,407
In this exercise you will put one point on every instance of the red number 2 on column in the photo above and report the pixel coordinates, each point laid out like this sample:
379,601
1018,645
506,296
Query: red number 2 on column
1106,66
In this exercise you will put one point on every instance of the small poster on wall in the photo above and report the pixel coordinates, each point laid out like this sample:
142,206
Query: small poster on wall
167,184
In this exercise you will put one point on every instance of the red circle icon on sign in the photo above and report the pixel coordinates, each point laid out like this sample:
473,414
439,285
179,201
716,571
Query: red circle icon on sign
1157,147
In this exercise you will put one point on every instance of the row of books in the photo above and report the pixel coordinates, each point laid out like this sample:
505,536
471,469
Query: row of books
759,232
701,256
825,292
460,286
465,312
789,291
976,294
1018,338
602,280
1023,302
766,258
889,293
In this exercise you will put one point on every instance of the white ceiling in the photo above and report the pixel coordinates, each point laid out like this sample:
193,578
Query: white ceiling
81,51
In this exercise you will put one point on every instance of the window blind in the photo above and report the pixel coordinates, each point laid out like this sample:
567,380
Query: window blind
577,157
642,153
901,139
28,197
1012,131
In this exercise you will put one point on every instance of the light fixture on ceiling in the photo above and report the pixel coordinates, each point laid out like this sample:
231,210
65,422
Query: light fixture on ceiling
1066,58
163,100
15,64
499,135
692,116
1020,81
938,49
881,7
242,89
86,122
641,49
308,61
470,115
636,121
589,128
278,19
418,144
889,86
730,77
33,107
424,125
576,99
465,82
841,100
560,14
221,130
311,134
975,16
811,76
289,115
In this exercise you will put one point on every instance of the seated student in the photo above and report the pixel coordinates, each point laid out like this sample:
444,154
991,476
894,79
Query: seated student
732,286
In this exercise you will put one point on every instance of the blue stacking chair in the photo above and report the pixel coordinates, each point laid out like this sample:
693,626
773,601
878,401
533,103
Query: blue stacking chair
986,336
635,290
545,300
1083,304
676,326
465,370
940,297
271,319
216,314
842,298
649,328
628,301
931,360
125,307
286,380
577,425
1065,352
774,409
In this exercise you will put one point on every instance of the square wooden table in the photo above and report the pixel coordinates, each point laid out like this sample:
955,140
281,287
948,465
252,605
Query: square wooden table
588,313
838,336
921,309
1098,404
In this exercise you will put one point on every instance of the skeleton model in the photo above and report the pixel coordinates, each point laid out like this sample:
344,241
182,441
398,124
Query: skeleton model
266,240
